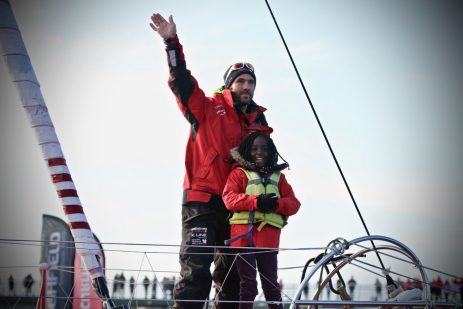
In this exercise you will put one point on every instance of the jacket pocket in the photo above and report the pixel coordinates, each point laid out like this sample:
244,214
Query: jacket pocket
207,163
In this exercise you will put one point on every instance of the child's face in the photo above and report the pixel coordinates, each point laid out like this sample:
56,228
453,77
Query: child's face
259,151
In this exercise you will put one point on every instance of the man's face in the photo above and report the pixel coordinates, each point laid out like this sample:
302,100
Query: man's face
243,88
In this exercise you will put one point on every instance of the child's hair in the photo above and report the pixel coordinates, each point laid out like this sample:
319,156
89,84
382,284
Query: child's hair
246,146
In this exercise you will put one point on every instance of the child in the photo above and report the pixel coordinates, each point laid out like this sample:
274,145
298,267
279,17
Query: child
260,199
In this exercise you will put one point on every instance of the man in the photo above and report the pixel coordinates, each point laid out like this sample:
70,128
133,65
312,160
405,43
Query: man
11,285
352,283
132,286
378,288
154,287
28,282
218,123
146,284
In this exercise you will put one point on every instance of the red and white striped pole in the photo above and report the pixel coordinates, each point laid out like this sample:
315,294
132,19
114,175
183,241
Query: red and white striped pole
23,76
43,288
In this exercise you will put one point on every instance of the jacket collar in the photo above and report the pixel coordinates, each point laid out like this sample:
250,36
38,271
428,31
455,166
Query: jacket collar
252,108
264,172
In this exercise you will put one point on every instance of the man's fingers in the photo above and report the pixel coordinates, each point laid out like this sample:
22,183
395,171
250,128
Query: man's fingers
163,27
160,19
157,19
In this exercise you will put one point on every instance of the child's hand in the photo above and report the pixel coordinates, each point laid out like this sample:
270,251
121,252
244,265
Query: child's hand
267,202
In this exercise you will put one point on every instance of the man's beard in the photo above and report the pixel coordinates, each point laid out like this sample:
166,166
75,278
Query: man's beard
238,102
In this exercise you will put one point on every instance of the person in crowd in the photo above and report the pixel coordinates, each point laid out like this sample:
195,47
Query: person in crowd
351,285
167,287
115,284
122,284
28,282
146,284
11,290
154,287
378,289
132,286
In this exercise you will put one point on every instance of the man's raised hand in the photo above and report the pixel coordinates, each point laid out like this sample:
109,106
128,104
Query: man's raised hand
166,29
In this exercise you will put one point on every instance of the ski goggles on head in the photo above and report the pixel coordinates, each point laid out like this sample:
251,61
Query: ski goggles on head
241,65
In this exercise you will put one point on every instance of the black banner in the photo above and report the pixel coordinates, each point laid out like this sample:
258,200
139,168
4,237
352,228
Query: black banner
58,252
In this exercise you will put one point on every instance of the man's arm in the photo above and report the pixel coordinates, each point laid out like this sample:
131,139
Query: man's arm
189,97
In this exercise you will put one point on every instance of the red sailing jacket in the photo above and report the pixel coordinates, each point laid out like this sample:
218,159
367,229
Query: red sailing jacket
216,127
236,199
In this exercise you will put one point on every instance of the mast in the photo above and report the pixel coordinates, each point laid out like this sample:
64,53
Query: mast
22,74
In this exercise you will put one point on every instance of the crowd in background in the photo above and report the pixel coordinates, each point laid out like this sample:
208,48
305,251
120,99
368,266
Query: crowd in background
449,289
150,287
12,289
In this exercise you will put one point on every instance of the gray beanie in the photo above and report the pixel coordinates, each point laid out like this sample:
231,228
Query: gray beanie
236,70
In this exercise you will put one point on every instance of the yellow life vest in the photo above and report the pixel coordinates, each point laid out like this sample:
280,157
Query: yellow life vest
256,186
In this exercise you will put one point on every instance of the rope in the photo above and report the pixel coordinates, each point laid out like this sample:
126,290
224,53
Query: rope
145,259
323,132
39,243
268,280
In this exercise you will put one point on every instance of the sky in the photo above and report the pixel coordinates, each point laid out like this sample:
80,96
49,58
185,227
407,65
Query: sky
385,78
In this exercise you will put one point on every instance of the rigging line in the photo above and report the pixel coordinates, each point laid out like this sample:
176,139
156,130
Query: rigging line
156,280
136,280
409,262
11,241
216,297
264,277
400,274
69,297
381,275
323,132
17,302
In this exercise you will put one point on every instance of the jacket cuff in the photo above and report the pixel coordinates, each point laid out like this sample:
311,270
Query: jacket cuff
172,40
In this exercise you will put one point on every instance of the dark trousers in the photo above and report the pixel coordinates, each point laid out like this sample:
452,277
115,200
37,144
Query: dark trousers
267,265
205,224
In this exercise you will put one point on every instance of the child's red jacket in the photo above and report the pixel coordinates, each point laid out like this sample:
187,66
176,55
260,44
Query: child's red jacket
236,200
